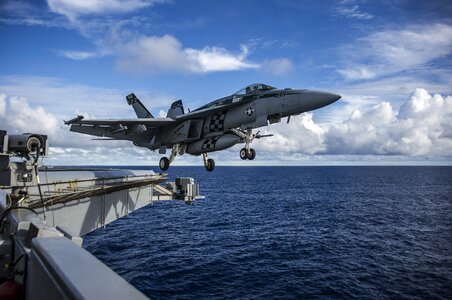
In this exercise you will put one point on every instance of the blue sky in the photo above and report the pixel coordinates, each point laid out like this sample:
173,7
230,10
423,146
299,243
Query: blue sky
390,60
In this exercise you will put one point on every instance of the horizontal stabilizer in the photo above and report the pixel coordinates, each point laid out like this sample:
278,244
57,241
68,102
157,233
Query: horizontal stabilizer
176,109
138,107
74,120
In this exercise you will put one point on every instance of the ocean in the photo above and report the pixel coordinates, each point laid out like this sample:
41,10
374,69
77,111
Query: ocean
291,232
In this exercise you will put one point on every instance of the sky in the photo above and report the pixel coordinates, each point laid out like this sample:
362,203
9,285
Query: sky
390,60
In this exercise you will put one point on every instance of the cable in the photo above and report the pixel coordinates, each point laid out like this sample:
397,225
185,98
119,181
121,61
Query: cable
48,191
9,203
35,164
5,213
9,206
17,260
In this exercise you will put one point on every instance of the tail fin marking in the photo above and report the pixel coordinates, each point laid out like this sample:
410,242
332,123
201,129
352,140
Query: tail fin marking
177,109
138,107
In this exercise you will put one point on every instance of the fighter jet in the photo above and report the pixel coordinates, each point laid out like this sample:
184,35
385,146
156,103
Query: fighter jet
215,126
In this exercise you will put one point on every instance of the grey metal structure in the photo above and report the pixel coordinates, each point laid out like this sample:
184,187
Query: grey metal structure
46,211
45,262
215,126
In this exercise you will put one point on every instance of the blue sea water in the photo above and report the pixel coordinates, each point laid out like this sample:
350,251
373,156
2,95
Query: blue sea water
291,232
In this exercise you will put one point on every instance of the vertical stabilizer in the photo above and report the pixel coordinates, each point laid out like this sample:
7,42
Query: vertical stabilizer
138,107
177,109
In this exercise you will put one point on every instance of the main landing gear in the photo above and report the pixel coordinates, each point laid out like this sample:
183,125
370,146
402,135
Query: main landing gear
165,162
209,163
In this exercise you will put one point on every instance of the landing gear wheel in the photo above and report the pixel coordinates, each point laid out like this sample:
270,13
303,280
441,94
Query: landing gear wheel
251,154
164,163
243,154
210,165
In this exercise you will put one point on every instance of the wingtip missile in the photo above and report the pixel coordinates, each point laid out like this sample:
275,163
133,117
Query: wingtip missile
74,120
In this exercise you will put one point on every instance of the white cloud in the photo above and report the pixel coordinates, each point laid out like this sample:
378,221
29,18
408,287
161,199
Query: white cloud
162,114
43,103
357,73
74,8
211,59
410,47
16,12
152,54
64,99
20,117
133,52
116,154
278,66
79,55
300,135
2,104
353,12
389,51
422,126
365,94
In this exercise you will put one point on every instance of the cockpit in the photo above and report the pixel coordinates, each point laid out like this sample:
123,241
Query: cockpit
253,88
238,96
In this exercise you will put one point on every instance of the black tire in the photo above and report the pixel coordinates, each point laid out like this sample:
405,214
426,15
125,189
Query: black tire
252,154
210,165
164,163
243,153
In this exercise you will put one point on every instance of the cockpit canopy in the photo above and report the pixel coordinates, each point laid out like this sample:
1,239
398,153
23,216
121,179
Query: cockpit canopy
257,87
253,88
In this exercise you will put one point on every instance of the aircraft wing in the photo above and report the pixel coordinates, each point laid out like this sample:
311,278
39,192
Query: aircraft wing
121,129
148,122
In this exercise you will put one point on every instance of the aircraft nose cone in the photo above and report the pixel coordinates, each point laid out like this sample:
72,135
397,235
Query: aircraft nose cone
331,98
324,98
317,99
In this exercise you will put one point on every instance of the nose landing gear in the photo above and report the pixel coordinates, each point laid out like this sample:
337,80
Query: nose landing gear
251,154
247,152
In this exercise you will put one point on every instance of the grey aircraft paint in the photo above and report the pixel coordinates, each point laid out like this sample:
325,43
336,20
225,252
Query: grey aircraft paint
215,126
